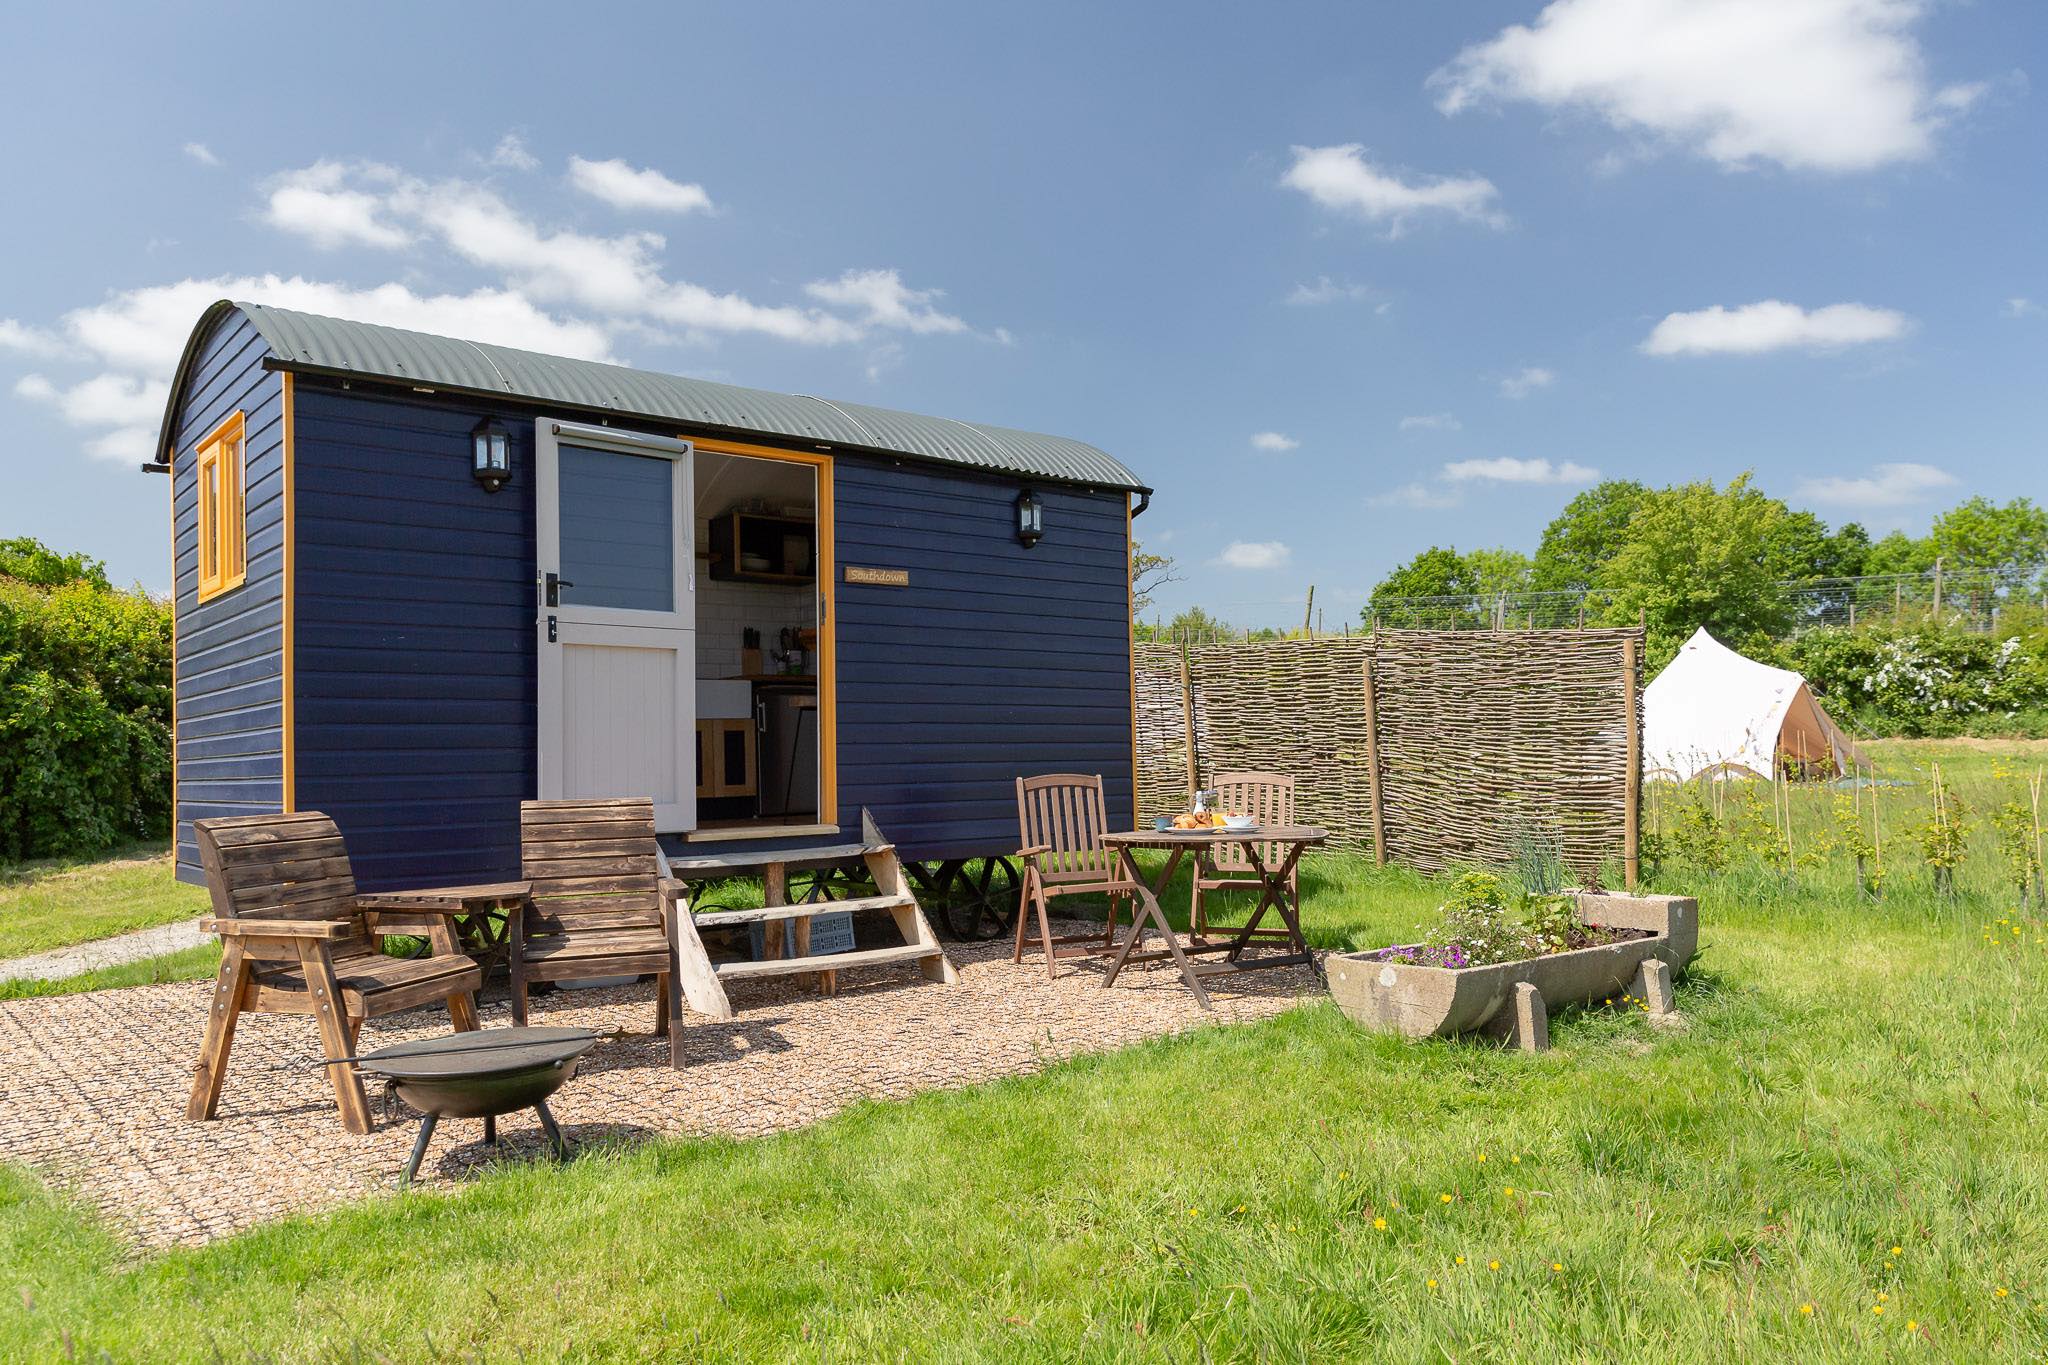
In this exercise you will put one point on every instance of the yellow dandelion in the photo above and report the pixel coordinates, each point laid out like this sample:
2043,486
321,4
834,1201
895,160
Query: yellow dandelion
1238,1209
1379,1224
1898,1251
1493,1265
1517,1160
1343,1175
1878,1309
1511,1189
2001,1291
1444,1198
1557,1267
1912,1326
1806,1309
1461,1260
1482,1156
1432,1284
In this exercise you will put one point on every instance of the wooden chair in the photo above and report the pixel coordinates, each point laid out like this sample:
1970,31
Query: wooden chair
598,904
1060,823
297,939
1269,799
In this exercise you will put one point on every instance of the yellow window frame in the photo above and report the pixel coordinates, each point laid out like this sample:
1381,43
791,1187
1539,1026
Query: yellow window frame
223,497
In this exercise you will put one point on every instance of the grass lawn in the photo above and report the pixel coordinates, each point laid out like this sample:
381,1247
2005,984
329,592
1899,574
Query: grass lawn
54,904
1844,1157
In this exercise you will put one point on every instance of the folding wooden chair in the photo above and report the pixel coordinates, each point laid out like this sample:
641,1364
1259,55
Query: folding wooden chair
1061,821
1269,799
297,939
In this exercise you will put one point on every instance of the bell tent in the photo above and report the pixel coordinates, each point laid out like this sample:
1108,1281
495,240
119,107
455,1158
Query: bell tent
1714,712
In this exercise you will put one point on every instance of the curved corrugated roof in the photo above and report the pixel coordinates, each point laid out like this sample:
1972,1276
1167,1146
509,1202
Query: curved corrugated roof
306,341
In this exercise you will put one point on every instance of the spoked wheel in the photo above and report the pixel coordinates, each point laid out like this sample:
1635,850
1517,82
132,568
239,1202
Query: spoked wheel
978,901
828,884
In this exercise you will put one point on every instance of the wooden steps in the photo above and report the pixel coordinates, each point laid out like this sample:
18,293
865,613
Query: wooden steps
702,980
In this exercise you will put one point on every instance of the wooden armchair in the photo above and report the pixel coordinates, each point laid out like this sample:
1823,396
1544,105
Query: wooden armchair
1269,799
1061,822
598,904
297,939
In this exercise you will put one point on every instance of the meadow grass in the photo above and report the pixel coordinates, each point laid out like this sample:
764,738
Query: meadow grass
197,963
1841,1157
56,903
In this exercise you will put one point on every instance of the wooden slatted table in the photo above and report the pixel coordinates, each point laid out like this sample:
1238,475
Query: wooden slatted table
1291,841
477,913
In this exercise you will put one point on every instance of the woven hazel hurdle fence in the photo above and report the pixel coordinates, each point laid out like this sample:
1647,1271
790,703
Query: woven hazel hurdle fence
1430,747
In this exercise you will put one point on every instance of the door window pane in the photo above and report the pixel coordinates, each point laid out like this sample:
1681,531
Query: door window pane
618,530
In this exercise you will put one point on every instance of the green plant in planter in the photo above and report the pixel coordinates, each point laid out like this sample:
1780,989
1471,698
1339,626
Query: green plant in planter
1476,917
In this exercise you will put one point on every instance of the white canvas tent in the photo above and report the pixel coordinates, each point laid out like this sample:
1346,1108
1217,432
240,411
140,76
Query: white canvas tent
1713,711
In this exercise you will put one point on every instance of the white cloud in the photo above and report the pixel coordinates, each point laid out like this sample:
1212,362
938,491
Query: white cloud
1418,496
1829,85
625,187
2014,308
1274,442
319,203
511,153
1254,554
201,153
1341,178
1509,470
31,341
1326,290
1524,382
1886,485
1772,325
885,301
1432,421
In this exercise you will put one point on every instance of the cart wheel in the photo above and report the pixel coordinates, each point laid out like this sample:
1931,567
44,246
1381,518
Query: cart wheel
980,901
827,884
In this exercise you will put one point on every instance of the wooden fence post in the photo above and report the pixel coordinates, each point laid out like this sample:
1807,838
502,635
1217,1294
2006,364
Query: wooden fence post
1372,763
1631,817
1187,711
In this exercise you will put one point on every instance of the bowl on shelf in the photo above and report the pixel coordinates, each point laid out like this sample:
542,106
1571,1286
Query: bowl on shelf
754,563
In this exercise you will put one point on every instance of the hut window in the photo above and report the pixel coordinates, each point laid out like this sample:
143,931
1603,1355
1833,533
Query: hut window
223,511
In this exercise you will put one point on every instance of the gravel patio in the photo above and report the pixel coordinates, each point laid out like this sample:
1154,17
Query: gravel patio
93,1086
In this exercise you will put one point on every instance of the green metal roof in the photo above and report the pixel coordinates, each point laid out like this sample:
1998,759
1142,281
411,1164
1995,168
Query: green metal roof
306,342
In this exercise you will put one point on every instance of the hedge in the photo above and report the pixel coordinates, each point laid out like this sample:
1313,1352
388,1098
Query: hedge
1926,680
85,718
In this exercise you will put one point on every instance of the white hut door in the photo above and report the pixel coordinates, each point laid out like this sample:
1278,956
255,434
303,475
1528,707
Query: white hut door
617,629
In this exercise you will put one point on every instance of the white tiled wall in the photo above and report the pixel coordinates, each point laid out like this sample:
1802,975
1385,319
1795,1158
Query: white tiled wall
725,608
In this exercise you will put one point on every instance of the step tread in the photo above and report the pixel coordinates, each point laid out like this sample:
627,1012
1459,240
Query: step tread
829,962
716,918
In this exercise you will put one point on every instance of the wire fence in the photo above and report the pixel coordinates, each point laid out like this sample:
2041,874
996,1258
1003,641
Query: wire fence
1958,599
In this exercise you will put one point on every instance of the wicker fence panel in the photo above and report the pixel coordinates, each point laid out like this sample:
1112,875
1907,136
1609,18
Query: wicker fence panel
1486,739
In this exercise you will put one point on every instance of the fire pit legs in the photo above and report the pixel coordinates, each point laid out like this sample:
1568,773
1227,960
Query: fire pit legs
428,1122
491,1130
547,1125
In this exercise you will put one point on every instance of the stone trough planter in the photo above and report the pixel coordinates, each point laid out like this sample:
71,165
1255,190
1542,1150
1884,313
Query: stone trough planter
1512,999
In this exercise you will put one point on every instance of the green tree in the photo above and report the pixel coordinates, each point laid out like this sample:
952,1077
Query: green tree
1436,572
1900,553
1980,534
31,561
1585,535
1500,570
1697,555
1803,548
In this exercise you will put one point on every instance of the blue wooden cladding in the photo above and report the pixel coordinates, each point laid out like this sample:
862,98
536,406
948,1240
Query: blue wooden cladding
413,612
229,693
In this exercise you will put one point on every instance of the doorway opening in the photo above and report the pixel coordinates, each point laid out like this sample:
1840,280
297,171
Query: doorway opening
762,652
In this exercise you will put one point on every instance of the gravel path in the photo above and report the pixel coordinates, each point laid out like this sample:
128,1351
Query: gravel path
93,1086
107,952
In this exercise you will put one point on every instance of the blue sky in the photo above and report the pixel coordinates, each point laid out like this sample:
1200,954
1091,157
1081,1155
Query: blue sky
1449,261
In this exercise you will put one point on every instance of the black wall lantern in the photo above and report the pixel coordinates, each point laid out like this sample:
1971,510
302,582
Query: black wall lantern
1030,518
491,454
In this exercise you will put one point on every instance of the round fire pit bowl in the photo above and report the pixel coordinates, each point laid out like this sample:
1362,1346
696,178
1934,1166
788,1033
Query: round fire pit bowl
481,1074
